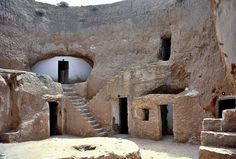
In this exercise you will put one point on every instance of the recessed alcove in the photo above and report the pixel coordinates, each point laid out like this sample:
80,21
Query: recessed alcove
64,69
165,49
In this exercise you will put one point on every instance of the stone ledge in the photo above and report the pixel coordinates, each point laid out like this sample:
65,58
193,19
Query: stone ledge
220,139
216,153
212,124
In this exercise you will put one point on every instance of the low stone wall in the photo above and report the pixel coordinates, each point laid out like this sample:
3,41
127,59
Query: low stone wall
129,83
187,116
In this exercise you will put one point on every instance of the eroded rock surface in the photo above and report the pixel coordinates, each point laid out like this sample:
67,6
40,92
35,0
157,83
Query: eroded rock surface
103,148
24,112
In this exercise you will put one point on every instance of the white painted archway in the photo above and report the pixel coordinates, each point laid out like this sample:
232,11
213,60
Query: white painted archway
79,69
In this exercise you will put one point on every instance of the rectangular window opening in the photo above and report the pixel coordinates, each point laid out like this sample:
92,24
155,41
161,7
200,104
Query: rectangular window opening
145,114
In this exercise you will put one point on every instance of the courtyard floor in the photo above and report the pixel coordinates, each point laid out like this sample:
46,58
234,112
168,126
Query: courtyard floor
58,146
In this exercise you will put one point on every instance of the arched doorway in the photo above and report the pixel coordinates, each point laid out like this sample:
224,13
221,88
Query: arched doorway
64,69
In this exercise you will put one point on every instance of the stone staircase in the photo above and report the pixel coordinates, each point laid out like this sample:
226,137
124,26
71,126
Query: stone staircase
82,108
218,138
129,82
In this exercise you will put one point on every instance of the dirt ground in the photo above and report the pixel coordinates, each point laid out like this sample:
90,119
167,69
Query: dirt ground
60,146
164,149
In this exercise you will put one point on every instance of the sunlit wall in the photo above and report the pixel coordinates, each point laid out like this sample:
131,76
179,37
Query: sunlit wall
79,69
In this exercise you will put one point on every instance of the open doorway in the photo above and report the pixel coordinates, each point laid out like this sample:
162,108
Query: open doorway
167,119
53,109
225,104
63,72
165,49
123,104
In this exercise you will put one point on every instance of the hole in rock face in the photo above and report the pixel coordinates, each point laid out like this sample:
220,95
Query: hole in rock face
165,89
85,147
165,49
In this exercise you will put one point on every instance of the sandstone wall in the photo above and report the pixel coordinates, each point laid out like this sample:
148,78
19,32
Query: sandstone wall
24,112
76,124
115,36
150,129
187,116
4,104
34,114
224,12
129,83
127,34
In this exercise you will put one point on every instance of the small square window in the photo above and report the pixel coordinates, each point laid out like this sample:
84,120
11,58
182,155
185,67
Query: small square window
145,114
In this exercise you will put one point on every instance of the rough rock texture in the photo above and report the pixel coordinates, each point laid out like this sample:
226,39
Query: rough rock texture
129,83
116,36
181,120
38,84
219,140
225,19
76,124
229,121
4,104
68,147
81,89
212,124
128,34
24,111
216,153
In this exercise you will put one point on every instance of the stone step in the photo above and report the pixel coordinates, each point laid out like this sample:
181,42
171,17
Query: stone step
81,103
218,139
212,124
10,137
67,87
99,130
82,106
84,110
86,114
90,118
92,122
102,134
76,100
73,97
206,152
2,156
68,90
70,93
96,126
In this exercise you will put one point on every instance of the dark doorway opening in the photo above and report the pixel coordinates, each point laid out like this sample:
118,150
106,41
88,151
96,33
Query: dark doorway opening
63,72
123,104
53,109
167,119
165,49
225,104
